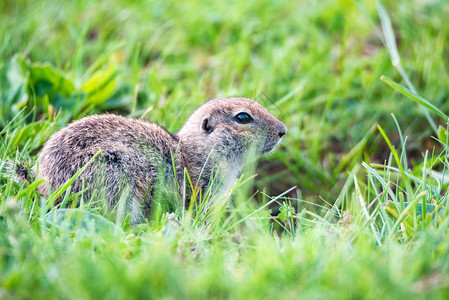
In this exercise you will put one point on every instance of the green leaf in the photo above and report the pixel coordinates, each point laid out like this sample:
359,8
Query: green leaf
101,85
286,212
442,135
46,80
12,86
81,220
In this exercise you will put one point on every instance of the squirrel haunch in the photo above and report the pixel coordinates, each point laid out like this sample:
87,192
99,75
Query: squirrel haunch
216,140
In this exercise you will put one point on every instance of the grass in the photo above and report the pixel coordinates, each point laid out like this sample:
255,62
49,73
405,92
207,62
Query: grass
352,205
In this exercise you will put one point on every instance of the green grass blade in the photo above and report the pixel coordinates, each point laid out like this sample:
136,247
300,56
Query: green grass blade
390,39
69,182
418,99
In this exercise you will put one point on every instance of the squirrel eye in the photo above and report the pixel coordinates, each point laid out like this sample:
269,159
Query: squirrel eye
243,118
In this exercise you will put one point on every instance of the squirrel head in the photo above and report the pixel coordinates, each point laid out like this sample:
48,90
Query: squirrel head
232,128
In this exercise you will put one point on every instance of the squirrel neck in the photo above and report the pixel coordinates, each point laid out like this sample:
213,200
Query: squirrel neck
205,164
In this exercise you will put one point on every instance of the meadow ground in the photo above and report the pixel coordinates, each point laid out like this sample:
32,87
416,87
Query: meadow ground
352,205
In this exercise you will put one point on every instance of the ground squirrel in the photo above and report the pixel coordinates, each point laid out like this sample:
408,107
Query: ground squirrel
215,140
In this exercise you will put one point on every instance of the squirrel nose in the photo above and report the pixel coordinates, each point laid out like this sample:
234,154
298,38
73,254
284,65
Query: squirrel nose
281,133
282,130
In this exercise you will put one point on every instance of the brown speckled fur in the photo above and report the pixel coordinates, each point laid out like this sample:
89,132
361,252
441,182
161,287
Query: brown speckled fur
135,153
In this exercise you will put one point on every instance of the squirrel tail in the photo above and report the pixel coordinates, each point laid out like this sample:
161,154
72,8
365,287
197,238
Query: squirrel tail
23,174
19,172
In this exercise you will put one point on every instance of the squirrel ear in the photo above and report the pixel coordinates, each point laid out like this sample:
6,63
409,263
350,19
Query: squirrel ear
205,125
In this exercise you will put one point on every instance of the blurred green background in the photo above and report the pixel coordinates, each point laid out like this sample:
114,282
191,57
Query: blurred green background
316,66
